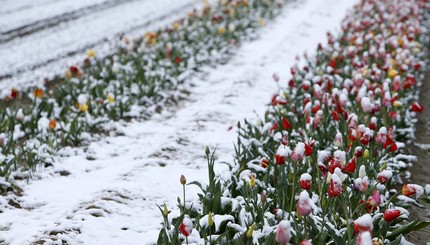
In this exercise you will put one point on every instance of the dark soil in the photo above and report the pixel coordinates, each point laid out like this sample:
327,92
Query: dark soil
421,169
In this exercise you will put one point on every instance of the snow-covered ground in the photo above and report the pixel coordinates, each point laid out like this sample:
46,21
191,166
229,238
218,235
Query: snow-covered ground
111,199
41,38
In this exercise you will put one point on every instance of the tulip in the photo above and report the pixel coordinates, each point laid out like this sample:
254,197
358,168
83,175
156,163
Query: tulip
384,176
14,93
364,238
264,163
366,105
298,152
376,198
52,124
358,151
283,233
363,223
305,181
391,214
91,53
411,189
308,149
366,154
415,107
381,137
335,115
304,205
110,98
38,93
250,231
286,124
186,227
306,242
335,189
252,181
280,157
350,166
338,140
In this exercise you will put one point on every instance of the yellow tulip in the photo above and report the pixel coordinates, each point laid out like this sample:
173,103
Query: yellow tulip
91,53
392,73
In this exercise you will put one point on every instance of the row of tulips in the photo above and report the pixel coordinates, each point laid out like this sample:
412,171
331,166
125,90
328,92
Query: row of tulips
322,166
143,75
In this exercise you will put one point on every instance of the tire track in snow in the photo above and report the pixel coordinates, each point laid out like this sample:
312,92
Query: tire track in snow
27,29
27,61
145,164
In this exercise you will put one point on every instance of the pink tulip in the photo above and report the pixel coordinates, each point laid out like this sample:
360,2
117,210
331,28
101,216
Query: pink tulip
283,233
304,206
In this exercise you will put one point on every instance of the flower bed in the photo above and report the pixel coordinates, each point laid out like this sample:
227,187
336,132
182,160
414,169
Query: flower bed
323,164
139,79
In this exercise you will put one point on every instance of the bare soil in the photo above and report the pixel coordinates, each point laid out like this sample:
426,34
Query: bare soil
421,169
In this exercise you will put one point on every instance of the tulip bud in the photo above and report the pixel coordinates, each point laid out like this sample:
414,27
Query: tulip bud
252,181
366,154
210,219
250,231
165,211
183,180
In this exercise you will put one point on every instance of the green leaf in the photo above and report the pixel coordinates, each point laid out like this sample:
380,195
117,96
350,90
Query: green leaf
197,184
408,228
337,239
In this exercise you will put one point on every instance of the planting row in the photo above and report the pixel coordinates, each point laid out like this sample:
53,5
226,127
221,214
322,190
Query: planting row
142,76
321,167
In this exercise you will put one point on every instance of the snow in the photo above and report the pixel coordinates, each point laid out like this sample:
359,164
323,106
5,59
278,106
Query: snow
111,193
305,177
29,59
365,221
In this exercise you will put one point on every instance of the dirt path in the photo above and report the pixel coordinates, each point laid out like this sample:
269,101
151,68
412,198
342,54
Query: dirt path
421,169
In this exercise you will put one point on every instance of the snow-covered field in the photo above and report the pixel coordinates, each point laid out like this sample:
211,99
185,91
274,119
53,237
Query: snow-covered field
111,193
41,38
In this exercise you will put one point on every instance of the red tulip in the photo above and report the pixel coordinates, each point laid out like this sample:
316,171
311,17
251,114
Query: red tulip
391,214
308,150
335,115
384,176
417,107
264,163
335,188
285,123
350,166
14,93
280,157
186,227
363,223
305,181
280,160
178,60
